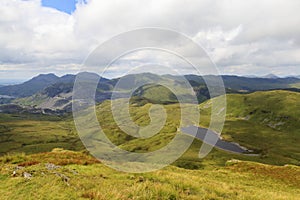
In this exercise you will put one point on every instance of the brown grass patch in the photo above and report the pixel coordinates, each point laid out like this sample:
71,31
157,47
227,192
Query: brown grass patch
65,158
288,174
28,163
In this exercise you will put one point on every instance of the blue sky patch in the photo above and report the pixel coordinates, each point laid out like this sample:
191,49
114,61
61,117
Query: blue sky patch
67,6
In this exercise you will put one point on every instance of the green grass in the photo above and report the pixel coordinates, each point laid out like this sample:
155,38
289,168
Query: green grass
264,121
92,180
157,94
250,122
267,122
36,133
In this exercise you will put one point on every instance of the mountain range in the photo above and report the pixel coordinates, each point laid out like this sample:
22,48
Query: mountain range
48,91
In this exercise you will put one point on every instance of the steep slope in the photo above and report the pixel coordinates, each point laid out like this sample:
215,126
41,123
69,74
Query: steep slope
58,96
30,87
264,121
278,109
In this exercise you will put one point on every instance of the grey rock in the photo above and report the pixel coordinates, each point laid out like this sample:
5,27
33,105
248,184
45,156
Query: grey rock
51,166
27,175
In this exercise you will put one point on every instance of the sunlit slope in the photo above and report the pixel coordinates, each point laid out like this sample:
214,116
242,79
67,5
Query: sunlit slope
266,122
279,110
31,133
75,175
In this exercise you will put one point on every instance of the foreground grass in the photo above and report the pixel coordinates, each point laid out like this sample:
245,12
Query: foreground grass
88,179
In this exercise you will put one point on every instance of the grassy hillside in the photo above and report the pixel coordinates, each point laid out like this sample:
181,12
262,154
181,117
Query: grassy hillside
266,122
75,175
36,133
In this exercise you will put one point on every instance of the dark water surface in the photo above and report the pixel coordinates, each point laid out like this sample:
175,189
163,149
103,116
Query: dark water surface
213,136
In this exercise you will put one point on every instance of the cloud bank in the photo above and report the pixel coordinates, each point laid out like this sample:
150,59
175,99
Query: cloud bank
242,37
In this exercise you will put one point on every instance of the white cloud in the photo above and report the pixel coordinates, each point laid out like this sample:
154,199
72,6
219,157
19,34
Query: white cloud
242,37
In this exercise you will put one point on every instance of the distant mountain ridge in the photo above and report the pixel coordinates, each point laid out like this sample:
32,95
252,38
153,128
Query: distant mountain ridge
30,87
271,76
48,91
247,84
38,84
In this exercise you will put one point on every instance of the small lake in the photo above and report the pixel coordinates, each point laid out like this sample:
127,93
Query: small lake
213,136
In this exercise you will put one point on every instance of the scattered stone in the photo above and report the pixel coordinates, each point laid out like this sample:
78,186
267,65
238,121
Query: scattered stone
275,125
247,117
14,174
51,166
74,172
27,175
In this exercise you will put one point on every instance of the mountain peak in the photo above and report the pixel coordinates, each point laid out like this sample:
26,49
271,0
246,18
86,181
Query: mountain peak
45,77
271,76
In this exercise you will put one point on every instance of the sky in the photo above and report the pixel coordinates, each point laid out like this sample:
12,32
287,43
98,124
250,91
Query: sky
68,6
256,37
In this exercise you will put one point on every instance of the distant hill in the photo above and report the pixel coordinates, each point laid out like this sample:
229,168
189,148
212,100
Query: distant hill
52,92
30,87
58,96
249,84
